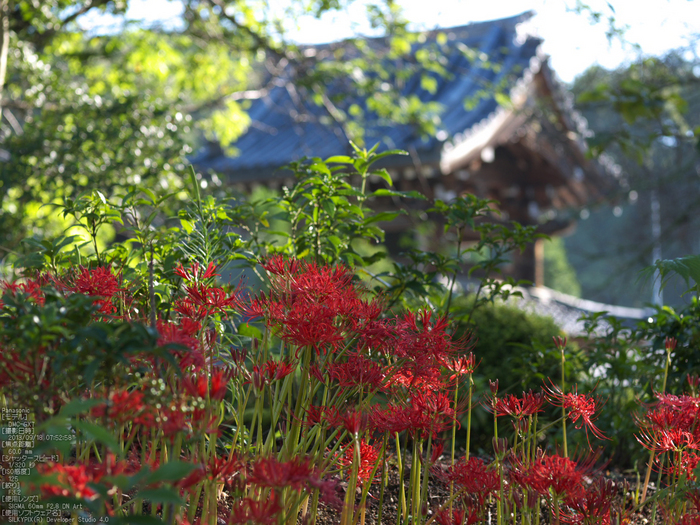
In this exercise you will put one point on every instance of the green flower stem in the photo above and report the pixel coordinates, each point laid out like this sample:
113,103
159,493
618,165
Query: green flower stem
650,464
403,510
415,480
367,484
469,416
426,473
385,478
293,436
348,507
454,439
563,389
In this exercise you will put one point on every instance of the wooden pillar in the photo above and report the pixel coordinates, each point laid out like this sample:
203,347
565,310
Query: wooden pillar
539,262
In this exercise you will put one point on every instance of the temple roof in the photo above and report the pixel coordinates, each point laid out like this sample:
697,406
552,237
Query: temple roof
276,137
499,96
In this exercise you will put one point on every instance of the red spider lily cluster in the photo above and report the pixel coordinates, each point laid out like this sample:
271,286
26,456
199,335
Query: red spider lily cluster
670,428
334,392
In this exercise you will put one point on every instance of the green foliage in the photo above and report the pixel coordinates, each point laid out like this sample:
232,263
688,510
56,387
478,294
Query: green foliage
558,272
510,342
512,346
688,268
654,146
87,111
626,364
78,353
489,253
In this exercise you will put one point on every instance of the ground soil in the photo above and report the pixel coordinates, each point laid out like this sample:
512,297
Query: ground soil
439,493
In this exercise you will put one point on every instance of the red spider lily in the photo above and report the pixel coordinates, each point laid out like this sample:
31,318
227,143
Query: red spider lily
20,368
269,371
369,455
97,282
510,405
358,371
693,496
204,422
278,265
578,407
593,505
390,419
686,466
32,287
445,517
189,310
72,481
198,475
354,421
688,519
463,365
429,380
377,335
429,413
182,335
277,370
310,305
216,383
682,403
202,301
560,475
224,468
271,472
670,344
476,479
693,382
122,406
194,273
559,342
265,511
172,420
437,451
323,414
667,440
666,417
313,326
426,347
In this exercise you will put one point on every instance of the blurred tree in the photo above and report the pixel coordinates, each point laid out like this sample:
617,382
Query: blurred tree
646,117
83,110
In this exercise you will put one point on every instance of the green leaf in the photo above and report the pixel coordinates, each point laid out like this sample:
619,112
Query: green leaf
339,159
320,167
96,432
188,226
688,268
78,406
393,193
329,208
161,495
382,216
170,472
384,174
380,156
249,330
150,194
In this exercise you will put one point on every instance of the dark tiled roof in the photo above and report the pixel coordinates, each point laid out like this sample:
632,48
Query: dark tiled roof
275,138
